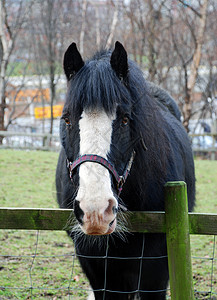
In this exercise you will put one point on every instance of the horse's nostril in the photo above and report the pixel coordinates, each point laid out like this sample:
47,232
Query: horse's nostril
111,223
79,214
112,207
115,210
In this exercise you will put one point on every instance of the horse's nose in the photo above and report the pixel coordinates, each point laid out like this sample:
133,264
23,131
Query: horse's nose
96,220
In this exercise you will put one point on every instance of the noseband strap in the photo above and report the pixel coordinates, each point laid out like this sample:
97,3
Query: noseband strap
120,180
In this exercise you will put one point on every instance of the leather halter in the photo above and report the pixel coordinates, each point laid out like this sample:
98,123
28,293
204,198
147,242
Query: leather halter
120,180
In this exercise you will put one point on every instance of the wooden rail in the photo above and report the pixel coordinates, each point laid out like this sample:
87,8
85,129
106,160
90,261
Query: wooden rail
212,149
48,138
61,219
30,134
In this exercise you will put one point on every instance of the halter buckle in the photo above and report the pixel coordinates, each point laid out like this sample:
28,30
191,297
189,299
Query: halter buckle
121,181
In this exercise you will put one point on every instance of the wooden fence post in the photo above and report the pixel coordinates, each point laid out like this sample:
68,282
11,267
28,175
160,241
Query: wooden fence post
178,241
213,147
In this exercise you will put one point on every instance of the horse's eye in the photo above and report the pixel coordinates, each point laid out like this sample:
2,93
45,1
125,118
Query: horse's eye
125,121
67,121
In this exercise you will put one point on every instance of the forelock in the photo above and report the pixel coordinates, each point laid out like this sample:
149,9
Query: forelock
96,87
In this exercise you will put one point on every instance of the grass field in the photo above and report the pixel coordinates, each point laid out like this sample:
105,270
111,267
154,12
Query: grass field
27,180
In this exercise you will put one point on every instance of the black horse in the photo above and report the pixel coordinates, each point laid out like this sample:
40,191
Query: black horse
122,140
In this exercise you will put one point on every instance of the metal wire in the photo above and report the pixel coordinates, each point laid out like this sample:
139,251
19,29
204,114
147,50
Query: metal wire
209,293
105,257
33,260
106,265
212,268
140,265
123,258
70,279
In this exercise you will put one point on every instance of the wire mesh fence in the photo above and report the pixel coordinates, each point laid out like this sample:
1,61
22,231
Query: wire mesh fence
41,264
205,267
44,265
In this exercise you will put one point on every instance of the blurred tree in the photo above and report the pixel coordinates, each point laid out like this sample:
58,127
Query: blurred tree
48,32
12,22
199,41
168,39
113,26
83,24
8,35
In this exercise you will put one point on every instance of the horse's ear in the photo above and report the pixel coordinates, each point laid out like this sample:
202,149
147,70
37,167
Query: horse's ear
119,61
72,61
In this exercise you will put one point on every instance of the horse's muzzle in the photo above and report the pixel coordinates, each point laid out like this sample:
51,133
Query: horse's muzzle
98,228
97,222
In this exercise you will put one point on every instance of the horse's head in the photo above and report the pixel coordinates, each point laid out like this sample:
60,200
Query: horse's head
96,135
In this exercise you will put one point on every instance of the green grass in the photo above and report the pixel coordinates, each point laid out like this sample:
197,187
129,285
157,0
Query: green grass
27,180
203,246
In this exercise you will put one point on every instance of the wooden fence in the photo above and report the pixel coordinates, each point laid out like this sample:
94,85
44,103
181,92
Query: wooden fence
51,142
176,222
46,141
202,148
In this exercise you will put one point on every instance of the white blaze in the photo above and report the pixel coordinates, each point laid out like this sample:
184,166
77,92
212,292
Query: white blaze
95,182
